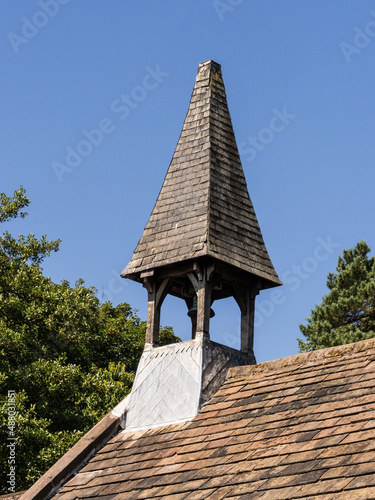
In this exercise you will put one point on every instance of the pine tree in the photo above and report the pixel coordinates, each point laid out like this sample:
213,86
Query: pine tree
347,312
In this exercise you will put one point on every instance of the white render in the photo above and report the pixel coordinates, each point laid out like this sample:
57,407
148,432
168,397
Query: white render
174,381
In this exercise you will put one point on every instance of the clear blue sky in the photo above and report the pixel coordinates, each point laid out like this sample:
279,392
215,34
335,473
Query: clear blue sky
66,67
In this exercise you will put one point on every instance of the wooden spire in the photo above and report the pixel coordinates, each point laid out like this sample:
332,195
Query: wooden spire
203,241
204,207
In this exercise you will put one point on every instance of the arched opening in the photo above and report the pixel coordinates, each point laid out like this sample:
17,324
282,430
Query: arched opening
199,289
173,313
225,326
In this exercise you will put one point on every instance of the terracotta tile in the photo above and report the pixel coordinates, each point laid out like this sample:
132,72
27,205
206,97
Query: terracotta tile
300,467
301,456
302,430
241,394
347,449
124,496
220,494
191,448
367,493
243,466
219,406
200,494
246,488
293,480
117,488
170,460
247,477
368,376
70,495
278,494
354,410
81,479
219,481
215,471
90,492
339,429
321,487
145,494
204,415
174,496
110,479
180,488
265,463
363,468
223,434
356,437
361,481
343,471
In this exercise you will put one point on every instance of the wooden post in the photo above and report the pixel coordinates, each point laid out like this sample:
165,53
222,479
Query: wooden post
156,295
247,320
203,308
153,315
203,288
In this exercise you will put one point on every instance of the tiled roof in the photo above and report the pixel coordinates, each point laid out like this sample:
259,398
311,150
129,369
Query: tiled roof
299,427
204,207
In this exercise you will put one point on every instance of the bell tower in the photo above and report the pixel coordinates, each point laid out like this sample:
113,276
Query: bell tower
202,242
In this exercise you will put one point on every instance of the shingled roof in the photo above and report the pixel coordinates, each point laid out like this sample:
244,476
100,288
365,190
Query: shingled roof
299,427
204,208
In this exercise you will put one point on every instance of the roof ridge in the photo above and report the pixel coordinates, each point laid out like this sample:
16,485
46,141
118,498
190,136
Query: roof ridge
303,358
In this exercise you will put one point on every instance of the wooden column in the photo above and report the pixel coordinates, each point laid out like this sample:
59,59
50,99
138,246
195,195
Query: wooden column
245,298
247,323
203,309
203,288
153,315
156,295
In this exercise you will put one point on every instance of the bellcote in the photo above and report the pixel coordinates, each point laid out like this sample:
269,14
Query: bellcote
202,242
204,208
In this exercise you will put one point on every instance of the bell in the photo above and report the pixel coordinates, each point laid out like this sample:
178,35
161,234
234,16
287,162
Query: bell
192,312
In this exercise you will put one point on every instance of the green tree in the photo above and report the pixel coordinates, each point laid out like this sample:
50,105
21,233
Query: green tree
69,358
347,312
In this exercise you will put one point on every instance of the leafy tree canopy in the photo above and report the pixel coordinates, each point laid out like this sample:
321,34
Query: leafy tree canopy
347,312
68,358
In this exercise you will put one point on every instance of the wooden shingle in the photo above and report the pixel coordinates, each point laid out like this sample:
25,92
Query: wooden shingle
204,207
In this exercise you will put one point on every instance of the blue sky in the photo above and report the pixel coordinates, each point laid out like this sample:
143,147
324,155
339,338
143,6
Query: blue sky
67,67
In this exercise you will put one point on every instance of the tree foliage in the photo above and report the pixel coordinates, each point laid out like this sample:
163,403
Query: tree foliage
68,358
347,312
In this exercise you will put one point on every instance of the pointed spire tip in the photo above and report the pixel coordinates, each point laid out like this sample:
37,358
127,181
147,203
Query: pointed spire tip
210,65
